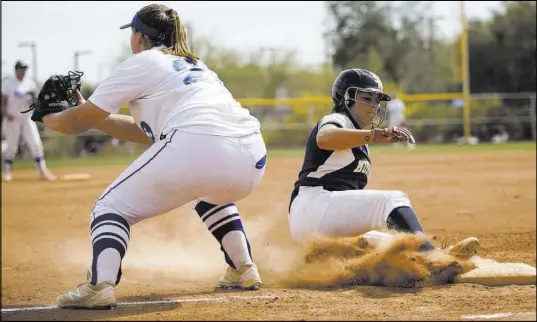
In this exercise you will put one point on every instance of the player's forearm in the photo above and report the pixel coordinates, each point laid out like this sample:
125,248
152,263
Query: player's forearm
343,139
122,127
68,121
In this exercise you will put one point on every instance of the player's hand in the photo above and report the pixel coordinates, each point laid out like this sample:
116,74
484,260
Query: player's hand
51,121
393,134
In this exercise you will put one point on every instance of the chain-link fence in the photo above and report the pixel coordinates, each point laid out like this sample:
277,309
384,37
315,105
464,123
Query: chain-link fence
286,123
494,118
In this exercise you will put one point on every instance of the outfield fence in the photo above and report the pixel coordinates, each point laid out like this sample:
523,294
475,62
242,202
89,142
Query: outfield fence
433,118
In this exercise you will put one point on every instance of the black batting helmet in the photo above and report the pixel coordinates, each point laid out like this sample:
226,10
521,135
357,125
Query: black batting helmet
349,83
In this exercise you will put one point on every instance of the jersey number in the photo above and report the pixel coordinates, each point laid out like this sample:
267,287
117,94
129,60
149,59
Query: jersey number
195,73
147,130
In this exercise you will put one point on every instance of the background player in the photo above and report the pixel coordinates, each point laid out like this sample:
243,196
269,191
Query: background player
17,94
329,197
396,116
206,149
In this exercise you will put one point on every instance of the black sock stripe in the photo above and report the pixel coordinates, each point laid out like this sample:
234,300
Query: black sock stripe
140,168
221,231
215,210
112,234
202,207
98,248
223,219
112,217
111,224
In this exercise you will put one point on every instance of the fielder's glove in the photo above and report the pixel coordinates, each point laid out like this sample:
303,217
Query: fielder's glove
393,134
58,94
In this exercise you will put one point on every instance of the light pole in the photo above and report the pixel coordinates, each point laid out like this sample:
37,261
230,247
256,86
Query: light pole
32,45
78,54
3,69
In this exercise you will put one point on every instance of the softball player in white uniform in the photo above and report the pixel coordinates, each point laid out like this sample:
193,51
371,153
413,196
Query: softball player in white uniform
17,95
396,116
330,198
206,149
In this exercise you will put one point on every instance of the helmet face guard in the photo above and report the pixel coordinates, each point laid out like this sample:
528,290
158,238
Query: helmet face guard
378,102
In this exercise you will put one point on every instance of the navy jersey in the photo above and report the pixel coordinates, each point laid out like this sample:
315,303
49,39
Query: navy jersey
333,170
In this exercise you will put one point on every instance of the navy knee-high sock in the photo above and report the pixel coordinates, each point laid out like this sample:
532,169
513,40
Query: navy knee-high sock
404,219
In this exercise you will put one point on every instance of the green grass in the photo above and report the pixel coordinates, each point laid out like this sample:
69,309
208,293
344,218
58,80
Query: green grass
425,148
293,153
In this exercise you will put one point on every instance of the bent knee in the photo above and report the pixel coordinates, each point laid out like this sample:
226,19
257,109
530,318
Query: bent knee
398,199
103,207
396,194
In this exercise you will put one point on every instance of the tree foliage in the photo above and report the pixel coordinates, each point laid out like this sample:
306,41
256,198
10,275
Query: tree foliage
502,50
256,74
401,43
397,41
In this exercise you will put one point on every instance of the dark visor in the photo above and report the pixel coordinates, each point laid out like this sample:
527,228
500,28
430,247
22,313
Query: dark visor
143,28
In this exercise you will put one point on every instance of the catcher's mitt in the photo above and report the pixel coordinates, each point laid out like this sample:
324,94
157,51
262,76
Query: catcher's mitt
58,94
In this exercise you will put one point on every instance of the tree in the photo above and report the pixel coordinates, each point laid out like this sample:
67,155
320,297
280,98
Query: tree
502,50
247,74
397,42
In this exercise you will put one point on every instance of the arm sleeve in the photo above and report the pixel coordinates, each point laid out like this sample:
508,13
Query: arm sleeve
335,119
131,79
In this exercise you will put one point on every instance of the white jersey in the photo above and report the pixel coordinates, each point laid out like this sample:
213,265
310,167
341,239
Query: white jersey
165,92
396,112
18,95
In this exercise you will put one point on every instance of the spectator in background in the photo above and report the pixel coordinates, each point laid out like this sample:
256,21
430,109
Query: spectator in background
396,116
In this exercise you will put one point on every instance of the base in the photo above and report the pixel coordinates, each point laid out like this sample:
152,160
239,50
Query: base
75,176
492,273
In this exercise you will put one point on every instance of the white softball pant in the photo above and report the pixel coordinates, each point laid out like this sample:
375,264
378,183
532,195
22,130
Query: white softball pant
316,211
26,128
185,167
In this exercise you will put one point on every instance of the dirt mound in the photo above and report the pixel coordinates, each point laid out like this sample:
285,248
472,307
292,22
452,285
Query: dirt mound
344,262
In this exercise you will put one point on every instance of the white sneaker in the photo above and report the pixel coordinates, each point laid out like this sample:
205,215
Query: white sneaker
246,277
85,295
47,175
6,176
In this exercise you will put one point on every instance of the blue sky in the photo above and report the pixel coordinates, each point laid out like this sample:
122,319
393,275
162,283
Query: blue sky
60,28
